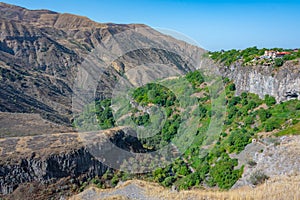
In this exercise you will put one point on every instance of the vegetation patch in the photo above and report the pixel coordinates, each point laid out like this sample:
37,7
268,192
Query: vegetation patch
202,164
253,56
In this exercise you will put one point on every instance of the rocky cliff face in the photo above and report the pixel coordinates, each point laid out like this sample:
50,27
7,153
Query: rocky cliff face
282,83
49,158
55,167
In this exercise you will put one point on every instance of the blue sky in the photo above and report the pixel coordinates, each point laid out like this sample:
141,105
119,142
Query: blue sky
213,24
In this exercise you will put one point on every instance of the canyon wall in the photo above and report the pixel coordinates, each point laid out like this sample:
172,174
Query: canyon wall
283,83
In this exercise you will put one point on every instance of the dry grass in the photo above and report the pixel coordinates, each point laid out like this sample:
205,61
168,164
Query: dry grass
27,124
284,188
279,188
117,197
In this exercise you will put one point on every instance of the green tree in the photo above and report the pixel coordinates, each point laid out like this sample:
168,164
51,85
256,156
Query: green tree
278,62
223,173
232,87
270,101
264,114
249,120
271,125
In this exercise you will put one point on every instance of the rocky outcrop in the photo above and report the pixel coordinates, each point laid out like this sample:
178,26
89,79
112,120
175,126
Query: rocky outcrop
49,158
283,83
72,164
271,157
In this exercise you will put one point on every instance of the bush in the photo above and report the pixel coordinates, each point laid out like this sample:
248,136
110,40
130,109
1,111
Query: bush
189,181
251,105
251,163
168,181
270,101
237,141
195,78
264,115
244,102
257,178
232,87
249,120
278,62
298,106
244,95
104,114
271,125
114,181
202,111
234,101
223,173
226,80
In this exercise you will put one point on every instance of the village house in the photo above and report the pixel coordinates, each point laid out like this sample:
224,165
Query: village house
281,54
274,54
270,54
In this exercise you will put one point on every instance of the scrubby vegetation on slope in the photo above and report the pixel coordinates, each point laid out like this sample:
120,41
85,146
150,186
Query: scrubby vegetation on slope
205,164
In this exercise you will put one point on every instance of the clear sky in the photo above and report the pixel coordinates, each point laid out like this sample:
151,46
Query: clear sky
213,24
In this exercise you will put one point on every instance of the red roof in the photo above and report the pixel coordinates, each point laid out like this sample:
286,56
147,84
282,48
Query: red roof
283,53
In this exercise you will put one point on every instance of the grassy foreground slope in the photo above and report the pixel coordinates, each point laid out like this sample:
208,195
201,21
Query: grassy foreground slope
276,188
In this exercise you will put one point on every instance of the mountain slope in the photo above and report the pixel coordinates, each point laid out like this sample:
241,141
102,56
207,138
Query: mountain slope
41,52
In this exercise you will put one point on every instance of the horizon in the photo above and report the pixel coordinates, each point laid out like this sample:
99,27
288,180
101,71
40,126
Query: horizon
213,25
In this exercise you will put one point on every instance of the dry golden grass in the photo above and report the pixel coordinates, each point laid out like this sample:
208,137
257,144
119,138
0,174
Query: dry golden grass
279,188
117,197
285,188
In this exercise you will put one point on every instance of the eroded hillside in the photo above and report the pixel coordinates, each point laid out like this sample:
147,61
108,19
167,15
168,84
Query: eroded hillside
42,52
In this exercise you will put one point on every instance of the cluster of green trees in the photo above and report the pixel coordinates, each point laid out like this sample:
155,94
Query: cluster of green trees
104,114
247,55
164,98
195,78
154,93
231,56
95,116
223,173
141,120
243,121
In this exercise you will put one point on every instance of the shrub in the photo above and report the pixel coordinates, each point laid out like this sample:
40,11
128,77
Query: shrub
223,173
226,80
264,115
257,178
278,62
114,181
249,120
298,106
244,95
168,181
251,105
195,78
237,141
270,101
234,101
232,87
251,163
271,125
